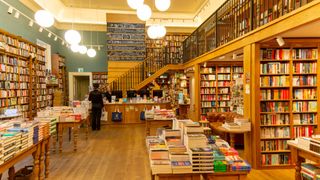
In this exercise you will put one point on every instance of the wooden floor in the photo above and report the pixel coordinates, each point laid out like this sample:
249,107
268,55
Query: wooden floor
118,153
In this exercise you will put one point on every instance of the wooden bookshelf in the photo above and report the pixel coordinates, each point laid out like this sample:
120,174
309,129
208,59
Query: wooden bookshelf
288,104
23,73
100,77
59,70
167,49
215,89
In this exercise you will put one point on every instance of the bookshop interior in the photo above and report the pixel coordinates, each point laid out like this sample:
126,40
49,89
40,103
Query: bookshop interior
160,89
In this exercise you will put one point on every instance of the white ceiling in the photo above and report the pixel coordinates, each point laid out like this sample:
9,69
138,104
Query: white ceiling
177,6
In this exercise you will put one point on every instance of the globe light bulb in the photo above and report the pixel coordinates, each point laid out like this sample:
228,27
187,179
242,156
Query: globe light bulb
72,36
144,12
91,52
75,48
82,49
44,18
162,5
135,4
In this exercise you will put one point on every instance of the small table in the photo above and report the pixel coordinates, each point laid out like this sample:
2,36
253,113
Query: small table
75,125
40,153
153,124
299,155
232,133
235,175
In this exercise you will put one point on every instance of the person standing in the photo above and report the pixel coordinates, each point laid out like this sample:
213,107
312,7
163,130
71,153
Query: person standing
95,97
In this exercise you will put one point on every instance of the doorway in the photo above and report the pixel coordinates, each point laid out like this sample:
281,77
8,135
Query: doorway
81,87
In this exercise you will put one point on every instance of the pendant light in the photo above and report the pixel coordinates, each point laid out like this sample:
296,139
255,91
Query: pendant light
91,52
82,49
162,5
144,12
152,32
44,18
134,4
72,36
75,48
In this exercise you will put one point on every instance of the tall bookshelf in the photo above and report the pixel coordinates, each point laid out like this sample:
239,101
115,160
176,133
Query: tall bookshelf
215,87
288,101
22,79
59,70
100,77
168,48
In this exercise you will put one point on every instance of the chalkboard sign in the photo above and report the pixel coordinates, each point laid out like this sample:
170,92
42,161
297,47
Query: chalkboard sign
126,41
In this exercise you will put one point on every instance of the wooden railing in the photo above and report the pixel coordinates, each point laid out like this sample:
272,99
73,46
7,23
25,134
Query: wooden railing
234,19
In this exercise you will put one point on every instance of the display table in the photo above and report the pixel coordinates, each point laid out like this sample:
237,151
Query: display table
190,176
75,130
232,133
41,159
234,175
131,111
299,155
152,125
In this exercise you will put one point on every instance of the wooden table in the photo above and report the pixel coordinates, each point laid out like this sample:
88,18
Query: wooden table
299,155
131,111
233,175
41,160
189,176
152,125
75,125
247,138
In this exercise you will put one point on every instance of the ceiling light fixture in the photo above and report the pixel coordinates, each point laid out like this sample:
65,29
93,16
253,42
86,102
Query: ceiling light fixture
50,34
156,31
82,49
44,18
72,36
30,23
17,14
56,38
134,4
91,52
162,5
75,48
144,12
10,10
40,29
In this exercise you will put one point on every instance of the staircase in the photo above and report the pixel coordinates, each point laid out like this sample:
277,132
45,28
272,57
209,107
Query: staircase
142,74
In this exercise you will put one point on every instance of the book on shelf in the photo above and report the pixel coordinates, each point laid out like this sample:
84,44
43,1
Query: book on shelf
275,54
275,159
274,68
304,106
274,132
305,54
307,80
274,119
274,145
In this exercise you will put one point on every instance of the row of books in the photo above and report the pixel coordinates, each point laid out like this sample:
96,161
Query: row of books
304,94
207,90
305,54
208,84
275,132
303,131
274,145
274,119
305,118
274,94
275,54
275,81
208,77
274,106
223,83
208,97
304,106
275,159
224,77
274,68
310,80
305,67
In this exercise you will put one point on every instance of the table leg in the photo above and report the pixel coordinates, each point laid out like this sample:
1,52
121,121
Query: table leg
41,167
232,140
298,168
87,127
36,155
69,133
54,142
75,138
60,133
47,158
11,173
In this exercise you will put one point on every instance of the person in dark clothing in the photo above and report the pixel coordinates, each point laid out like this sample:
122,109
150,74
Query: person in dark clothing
95,97
108,94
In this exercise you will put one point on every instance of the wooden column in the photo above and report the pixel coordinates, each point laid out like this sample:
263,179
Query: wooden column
251,95
196,89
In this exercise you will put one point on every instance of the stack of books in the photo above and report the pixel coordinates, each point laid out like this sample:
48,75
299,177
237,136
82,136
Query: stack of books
195,141
172,137
310,171
181,167
243,123
220,166
231,126
52,123
9,147
202,159
164,114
